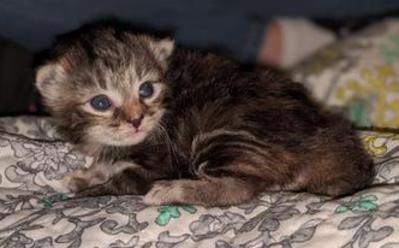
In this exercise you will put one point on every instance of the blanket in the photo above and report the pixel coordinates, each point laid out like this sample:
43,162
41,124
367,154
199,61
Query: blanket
34,212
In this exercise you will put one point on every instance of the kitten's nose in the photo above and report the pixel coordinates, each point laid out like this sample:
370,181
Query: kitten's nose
136,122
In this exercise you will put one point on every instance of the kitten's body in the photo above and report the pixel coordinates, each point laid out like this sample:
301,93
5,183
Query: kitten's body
224,134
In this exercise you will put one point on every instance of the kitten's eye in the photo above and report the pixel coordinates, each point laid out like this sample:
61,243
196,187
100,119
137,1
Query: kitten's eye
100,102
146,89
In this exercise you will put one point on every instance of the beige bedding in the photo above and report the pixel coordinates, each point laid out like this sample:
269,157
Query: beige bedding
34,214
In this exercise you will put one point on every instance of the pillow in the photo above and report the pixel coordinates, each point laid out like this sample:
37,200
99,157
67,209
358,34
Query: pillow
359,75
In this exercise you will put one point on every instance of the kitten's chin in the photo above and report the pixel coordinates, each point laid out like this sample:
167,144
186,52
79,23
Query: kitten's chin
129,140
119,138
135,138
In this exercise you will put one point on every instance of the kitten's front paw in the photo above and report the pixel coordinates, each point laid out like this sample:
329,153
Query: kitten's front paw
164,192
74,182
82,179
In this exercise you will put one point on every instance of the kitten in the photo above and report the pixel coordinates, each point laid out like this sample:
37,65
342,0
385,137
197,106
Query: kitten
185,127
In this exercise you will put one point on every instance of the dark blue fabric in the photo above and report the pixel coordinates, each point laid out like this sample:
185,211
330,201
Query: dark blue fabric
235,25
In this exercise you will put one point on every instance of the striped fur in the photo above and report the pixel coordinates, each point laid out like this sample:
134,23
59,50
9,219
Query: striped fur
217,134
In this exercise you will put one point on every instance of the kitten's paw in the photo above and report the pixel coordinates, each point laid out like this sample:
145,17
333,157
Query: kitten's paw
82,179
165,192
74,182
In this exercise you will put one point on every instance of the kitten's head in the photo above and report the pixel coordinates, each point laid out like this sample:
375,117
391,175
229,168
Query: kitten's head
106,87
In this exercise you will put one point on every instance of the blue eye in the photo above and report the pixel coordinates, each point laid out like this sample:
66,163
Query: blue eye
146,89
100,102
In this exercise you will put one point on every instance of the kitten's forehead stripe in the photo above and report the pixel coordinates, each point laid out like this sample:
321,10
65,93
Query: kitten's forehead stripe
100,80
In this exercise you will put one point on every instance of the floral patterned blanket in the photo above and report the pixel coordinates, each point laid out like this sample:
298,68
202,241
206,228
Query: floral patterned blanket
34,214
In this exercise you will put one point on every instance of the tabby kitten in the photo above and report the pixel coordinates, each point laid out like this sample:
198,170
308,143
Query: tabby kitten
185,127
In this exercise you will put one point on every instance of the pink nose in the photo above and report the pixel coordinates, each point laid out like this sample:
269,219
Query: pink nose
136,122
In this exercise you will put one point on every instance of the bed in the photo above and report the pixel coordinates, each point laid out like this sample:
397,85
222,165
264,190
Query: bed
33,212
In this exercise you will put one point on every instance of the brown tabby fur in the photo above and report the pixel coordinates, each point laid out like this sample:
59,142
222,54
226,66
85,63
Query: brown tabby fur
225,133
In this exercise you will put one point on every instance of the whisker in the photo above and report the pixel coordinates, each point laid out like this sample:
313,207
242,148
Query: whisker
164,133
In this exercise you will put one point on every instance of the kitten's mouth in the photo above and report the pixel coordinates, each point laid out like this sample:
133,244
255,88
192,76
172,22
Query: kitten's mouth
136,134
133,131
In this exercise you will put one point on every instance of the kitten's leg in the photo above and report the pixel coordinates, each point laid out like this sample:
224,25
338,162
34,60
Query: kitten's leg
132,181
231,167
207,192
96,174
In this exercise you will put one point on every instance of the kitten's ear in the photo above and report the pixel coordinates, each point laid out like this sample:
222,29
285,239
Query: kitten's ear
162,49
47,78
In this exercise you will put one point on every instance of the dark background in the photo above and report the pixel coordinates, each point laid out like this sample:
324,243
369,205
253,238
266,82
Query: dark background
27,27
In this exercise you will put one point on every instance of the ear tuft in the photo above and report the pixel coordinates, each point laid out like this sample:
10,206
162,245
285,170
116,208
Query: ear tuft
47,76
162,49
166,47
